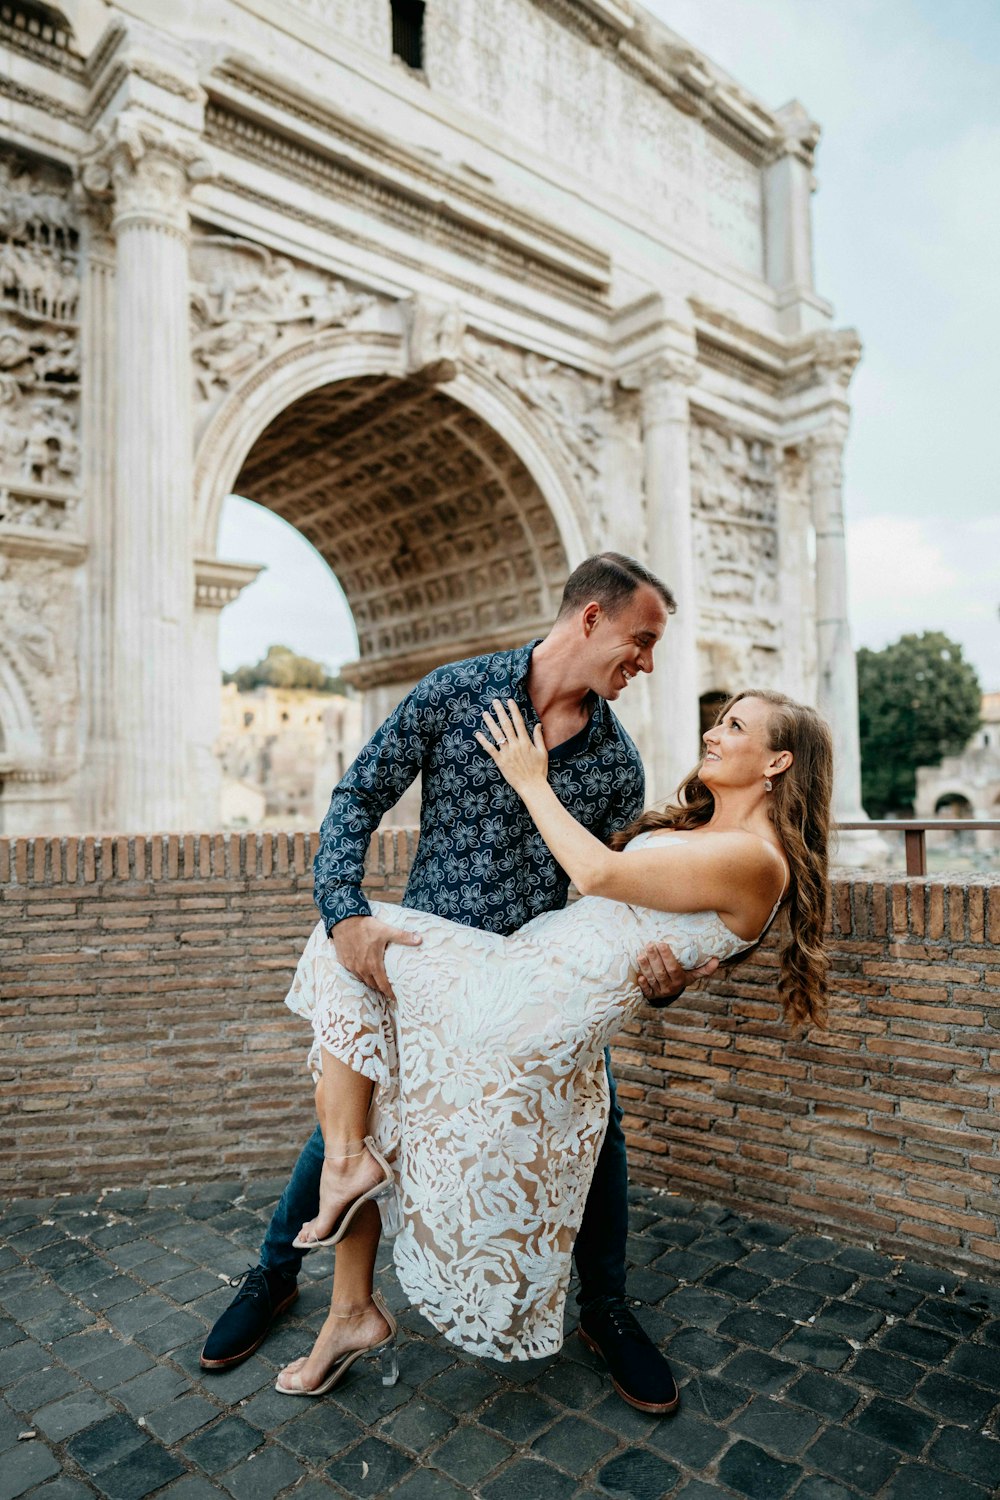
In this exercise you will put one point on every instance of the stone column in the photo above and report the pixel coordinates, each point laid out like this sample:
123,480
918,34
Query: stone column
98,804
667,458
837,679
147,174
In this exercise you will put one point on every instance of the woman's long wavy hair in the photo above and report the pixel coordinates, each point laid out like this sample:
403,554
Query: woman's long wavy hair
799,808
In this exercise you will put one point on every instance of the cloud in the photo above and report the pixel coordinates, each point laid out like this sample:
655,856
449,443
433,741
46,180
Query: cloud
904,576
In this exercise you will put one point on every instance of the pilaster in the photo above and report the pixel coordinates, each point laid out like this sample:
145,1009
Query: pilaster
216,585
788,185
664,387
98,800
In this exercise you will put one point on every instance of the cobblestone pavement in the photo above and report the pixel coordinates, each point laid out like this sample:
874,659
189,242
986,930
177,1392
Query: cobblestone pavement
810,1369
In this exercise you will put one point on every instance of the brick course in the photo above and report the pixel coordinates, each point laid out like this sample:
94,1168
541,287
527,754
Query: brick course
143,1038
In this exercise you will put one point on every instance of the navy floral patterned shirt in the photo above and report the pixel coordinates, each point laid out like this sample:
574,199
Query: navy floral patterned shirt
480,860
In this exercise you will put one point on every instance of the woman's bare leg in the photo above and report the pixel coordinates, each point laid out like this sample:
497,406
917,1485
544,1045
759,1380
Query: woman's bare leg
354,1322
342,1101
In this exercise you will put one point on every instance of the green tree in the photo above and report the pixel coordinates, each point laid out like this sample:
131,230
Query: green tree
919,700
282,668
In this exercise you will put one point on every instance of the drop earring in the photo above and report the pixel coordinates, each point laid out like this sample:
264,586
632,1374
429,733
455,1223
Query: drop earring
768,785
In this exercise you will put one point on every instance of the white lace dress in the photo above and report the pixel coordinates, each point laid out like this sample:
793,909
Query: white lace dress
491,1094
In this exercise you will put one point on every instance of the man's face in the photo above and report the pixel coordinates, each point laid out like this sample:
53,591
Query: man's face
618,647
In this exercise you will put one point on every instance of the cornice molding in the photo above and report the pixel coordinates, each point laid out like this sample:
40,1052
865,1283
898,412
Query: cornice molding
650,51
240,90
29,541
435,211
218,583
25,30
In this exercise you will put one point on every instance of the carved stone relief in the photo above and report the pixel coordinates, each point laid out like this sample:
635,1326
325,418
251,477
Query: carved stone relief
576,409
246,303
37,608
39,345
518,63
734,502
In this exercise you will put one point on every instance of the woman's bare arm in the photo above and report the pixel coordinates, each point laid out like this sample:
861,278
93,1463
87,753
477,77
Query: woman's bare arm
731,873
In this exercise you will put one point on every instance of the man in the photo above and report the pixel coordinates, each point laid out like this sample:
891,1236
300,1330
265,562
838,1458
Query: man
480,861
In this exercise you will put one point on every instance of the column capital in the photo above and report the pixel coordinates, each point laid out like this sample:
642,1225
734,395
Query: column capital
144,171
834,354
799,133
664,383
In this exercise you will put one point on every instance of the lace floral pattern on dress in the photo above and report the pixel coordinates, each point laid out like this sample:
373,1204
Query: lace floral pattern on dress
491,1095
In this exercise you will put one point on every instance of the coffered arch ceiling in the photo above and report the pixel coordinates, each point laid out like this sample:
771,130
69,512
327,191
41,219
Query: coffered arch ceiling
439,535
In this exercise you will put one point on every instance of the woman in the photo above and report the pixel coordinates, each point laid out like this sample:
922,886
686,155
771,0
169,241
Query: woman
489,1069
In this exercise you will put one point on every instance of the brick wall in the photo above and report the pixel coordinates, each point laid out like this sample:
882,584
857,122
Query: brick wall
143,1039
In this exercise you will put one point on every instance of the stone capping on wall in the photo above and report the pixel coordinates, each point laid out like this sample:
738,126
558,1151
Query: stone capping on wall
92,858
142,1038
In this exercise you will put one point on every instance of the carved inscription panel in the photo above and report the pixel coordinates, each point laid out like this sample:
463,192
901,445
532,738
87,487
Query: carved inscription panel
363,21
570,99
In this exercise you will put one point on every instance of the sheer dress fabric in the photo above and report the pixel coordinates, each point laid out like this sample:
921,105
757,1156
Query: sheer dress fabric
491,1094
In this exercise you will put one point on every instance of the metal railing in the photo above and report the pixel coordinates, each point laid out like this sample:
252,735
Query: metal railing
915,830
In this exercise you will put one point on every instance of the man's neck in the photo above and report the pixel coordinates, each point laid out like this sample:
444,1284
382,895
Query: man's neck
554,684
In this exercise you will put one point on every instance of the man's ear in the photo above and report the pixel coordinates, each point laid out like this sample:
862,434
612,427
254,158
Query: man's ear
590,616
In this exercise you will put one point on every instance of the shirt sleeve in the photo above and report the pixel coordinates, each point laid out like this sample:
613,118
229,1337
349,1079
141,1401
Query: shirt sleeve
385,767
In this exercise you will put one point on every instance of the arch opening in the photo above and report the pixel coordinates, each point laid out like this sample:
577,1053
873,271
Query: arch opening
439,535
953,805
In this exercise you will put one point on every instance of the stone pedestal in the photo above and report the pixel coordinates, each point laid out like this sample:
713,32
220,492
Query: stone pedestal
670,553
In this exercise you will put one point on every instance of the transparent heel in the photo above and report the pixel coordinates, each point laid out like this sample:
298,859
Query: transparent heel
390,1364
388,1206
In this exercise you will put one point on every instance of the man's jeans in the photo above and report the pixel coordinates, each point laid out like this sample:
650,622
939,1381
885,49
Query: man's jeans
600,1244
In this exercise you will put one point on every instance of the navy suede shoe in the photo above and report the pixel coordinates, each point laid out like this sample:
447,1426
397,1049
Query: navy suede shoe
242,1327
639,1372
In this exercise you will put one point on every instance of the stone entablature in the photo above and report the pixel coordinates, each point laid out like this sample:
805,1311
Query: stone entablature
460,327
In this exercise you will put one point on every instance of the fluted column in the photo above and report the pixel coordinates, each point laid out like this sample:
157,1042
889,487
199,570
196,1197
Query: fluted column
837,679
146,173
98,809
666,421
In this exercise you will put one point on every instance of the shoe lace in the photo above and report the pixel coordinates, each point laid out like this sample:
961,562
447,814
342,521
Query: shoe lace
623,1321
252,1283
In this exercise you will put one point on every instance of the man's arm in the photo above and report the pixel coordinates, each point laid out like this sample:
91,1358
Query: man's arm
384,768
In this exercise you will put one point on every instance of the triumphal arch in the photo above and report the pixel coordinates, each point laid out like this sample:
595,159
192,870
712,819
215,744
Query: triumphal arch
464,291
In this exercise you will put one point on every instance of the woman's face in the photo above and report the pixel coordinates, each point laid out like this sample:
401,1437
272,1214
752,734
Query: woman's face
737,752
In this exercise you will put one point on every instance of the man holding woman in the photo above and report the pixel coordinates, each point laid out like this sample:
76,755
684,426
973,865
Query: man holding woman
489,1261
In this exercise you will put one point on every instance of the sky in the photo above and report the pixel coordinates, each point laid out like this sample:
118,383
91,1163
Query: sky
907,247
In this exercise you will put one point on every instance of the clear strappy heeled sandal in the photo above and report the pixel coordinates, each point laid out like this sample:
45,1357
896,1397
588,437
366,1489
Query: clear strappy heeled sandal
384,1194
385,1351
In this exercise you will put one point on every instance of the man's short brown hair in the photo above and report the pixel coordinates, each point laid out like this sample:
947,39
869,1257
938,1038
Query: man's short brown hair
610,579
